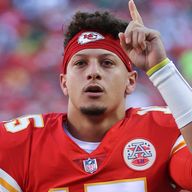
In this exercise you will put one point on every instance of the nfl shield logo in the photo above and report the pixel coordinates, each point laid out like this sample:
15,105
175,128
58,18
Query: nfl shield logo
90,165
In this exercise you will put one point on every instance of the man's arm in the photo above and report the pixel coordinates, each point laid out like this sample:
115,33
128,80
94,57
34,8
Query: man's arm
180,168
12,160
15,150
146,51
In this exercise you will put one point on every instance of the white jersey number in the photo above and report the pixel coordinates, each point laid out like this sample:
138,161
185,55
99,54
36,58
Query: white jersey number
145,110
23,122
136,185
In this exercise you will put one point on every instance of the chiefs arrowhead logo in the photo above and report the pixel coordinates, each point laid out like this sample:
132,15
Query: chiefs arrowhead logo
87,37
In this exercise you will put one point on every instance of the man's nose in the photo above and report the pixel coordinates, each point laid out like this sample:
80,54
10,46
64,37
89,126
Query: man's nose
94,71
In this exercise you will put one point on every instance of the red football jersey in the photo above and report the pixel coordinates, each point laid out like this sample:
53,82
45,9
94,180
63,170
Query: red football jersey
36,155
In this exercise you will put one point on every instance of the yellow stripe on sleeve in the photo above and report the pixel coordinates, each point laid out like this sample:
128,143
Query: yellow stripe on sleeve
178,147
158,66
7,186
8,183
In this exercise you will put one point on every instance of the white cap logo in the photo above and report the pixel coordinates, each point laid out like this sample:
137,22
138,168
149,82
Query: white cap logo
139,154
87,37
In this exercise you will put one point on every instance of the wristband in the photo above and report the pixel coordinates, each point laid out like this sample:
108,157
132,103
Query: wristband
174,89
158,66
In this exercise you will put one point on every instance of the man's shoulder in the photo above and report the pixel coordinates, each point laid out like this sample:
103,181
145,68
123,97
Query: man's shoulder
53,117
159,115
155,124
21,128
150,109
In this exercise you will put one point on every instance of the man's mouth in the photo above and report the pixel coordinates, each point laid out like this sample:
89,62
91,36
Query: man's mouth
93,90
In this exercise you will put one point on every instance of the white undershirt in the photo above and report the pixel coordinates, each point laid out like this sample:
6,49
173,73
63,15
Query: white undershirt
86,146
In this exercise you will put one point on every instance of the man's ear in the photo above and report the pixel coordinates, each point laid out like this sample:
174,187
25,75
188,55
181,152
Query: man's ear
63,83
131,82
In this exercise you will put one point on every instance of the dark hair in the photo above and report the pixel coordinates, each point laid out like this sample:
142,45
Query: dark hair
102,22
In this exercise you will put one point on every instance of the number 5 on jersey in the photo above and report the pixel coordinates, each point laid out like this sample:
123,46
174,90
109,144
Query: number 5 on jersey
23,122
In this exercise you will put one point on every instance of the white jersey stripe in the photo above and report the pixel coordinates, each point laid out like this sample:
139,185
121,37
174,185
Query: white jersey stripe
2,189
7,183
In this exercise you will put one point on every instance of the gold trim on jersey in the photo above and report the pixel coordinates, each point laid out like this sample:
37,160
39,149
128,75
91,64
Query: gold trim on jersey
117,181
178,147
7,186
65,189
8,183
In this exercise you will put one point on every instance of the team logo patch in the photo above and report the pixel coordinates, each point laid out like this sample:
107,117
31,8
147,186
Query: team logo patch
87,37
139,154
90,165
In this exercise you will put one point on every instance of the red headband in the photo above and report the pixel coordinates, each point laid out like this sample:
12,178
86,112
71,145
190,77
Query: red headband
94,40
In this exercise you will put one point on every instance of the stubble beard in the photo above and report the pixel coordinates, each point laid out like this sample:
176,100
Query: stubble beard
93,110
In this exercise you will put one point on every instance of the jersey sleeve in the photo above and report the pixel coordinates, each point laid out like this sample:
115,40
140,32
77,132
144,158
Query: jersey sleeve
180,168
180,163
15,141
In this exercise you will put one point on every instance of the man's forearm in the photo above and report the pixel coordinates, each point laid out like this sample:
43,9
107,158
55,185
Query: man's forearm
177,94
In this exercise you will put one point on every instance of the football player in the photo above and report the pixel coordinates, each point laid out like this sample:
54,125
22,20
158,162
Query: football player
99,145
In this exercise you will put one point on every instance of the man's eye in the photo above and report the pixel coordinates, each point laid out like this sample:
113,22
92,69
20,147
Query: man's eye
80,63
107,63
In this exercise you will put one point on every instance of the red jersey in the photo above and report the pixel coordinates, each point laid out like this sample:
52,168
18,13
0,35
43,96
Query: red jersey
36,155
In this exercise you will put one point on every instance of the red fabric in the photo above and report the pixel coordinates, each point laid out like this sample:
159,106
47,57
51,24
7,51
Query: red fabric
43,158
181,168
108,43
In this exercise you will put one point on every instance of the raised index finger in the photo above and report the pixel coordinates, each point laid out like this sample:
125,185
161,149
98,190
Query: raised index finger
134,12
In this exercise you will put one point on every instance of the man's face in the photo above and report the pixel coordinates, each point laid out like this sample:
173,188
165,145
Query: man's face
97,81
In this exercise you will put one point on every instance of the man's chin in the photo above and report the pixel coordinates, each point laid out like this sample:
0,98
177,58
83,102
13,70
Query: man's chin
93,110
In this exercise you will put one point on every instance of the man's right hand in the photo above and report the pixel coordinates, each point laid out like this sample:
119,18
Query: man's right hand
143,45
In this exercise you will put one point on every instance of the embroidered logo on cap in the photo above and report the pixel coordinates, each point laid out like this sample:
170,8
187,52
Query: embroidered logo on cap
139,154
87,37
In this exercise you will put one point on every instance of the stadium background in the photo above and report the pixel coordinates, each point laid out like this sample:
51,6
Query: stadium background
31,46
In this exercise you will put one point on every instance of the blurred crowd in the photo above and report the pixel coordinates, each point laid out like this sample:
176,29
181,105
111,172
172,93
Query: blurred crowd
31,47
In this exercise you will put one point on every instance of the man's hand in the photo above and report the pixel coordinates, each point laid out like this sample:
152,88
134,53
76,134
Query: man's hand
143,45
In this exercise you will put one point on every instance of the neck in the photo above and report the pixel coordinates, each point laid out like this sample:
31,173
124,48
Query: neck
92,128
